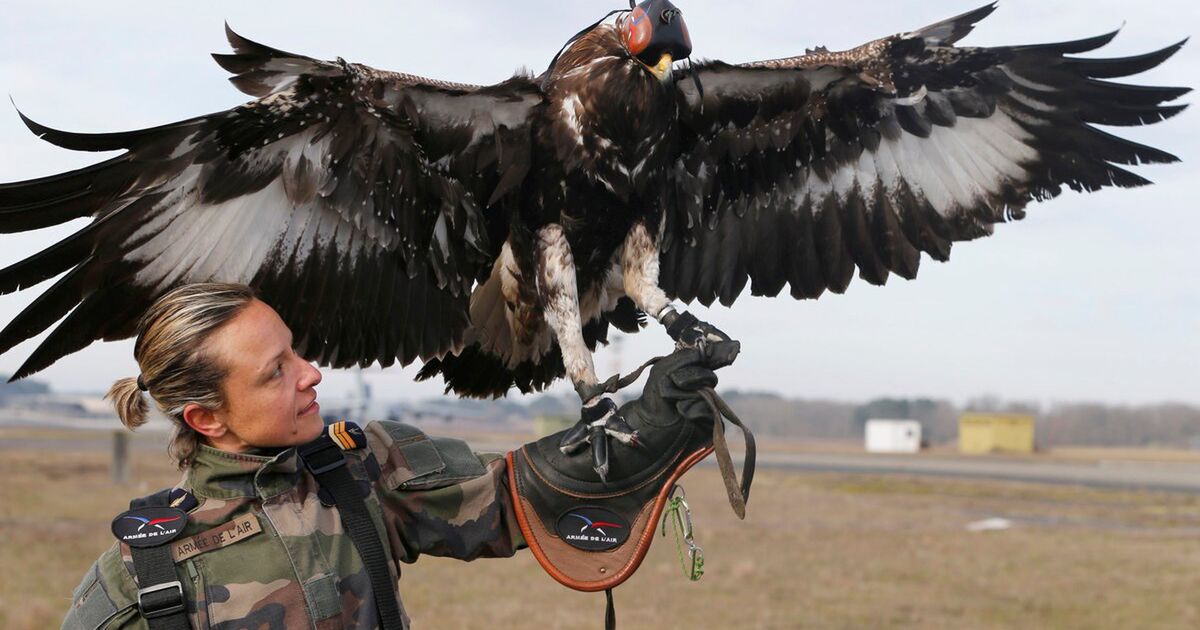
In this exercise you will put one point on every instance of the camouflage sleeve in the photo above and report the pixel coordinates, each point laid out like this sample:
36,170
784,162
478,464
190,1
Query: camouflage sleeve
440,498
106,598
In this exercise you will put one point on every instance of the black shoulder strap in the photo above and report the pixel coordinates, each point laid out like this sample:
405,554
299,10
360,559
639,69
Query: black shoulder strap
326,461
160,593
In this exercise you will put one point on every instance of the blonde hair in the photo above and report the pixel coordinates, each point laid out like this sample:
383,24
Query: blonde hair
176,369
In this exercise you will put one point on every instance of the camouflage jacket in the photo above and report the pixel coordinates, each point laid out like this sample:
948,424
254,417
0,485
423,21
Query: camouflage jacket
260,549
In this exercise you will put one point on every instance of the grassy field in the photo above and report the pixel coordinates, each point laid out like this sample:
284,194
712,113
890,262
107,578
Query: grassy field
816,551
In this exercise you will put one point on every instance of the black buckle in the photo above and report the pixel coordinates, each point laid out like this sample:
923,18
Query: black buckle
321,455
164,608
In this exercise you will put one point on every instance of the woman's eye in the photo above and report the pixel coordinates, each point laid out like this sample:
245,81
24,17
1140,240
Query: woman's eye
278,370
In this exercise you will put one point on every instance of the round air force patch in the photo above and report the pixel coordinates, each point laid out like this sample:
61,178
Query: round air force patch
149,526
592,528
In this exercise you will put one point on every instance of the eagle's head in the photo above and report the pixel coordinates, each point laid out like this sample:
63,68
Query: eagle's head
656,35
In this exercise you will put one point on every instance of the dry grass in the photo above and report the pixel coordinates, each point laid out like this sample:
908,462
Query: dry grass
817,551
55,511
1166,455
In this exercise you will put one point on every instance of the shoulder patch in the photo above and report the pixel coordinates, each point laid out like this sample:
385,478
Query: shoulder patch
181,499
149,526
347,435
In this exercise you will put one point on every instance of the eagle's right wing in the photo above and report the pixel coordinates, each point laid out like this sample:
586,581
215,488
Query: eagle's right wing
356,201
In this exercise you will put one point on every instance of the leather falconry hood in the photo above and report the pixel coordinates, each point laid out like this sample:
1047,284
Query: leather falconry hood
656,27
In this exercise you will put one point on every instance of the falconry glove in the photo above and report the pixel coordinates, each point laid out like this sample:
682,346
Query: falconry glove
591,533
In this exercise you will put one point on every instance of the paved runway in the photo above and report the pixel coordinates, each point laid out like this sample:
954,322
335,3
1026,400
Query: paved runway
1175,477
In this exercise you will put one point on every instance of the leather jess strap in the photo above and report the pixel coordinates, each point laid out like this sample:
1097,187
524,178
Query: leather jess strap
739,494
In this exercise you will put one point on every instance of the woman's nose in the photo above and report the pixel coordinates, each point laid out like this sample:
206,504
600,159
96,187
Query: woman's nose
312,376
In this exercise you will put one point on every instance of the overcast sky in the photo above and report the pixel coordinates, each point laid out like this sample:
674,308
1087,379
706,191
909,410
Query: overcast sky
1091,297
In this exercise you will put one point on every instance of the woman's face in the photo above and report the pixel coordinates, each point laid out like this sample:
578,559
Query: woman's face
270,395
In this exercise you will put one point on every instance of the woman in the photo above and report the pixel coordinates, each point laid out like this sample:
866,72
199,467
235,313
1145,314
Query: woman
258,533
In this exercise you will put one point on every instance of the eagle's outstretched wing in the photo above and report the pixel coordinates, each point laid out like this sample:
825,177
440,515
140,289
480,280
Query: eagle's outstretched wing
353,199
797,171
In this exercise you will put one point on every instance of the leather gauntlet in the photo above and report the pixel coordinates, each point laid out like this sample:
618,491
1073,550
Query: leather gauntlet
590,534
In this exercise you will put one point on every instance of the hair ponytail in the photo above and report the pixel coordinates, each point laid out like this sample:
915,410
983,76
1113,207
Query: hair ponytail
127,398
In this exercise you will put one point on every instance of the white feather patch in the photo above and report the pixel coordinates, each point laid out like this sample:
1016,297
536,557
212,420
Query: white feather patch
230,241
560,296
570,115
639,276
955,168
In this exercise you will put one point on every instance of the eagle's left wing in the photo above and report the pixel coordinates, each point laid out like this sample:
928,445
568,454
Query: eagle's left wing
797,171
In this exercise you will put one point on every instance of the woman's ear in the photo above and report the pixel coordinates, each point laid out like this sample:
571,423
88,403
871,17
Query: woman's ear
204,421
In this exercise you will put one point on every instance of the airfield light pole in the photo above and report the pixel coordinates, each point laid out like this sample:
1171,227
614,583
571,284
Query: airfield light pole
360,398
120,458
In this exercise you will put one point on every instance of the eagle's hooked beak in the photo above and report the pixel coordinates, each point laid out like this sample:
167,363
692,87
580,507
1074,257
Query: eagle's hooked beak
662,70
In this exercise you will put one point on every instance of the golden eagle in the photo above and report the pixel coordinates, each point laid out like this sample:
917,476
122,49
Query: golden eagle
497,232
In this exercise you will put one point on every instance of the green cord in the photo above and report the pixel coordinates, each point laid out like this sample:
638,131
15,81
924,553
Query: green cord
681,525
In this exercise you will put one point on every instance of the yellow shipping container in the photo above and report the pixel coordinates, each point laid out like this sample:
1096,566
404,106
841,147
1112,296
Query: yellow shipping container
995,433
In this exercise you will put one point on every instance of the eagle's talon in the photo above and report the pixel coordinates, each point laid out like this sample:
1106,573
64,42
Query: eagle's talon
616,427
599,451
599,420
575,439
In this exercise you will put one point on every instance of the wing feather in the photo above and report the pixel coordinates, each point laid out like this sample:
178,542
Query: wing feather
338,179
863,159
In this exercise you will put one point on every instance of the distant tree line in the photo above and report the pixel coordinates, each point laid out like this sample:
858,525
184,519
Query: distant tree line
1069,424
21,387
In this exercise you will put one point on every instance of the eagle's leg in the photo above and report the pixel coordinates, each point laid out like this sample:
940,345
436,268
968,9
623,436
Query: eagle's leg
639,263
559,293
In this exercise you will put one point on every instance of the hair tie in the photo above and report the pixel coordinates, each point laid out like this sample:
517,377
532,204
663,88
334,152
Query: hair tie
142,384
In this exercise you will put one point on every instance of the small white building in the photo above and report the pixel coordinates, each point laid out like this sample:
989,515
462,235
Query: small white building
893,436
